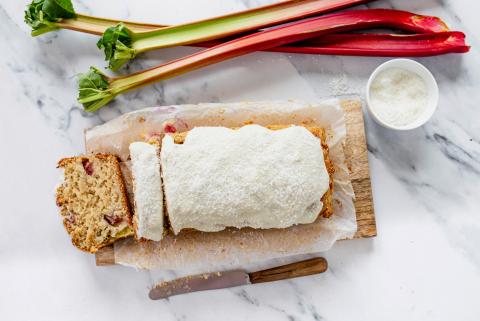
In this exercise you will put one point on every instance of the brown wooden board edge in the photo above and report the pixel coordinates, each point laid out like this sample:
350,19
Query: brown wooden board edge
357,160
356,154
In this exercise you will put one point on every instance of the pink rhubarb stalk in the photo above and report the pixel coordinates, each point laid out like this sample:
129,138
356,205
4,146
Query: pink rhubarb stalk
381,45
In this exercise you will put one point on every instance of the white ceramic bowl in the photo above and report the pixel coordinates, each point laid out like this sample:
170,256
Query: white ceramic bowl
421,71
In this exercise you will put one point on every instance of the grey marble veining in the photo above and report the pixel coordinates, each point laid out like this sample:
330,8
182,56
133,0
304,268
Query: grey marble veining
424,264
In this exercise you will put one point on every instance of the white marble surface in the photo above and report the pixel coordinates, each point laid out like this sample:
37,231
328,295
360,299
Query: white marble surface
424,264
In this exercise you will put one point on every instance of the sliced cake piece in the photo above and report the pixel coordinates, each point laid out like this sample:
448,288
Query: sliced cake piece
93,201
148,193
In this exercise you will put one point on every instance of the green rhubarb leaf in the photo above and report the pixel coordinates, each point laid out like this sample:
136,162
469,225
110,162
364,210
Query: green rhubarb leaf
42,15
59,8
93,90
116,44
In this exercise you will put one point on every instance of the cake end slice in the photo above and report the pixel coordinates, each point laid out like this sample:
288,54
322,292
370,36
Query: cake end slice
93,202
148,191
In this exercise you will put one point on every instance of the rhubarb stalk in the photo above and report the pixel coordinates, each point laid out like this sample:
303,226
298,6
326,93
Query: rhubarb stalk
121,44
381,45
48,15
96,89
375,45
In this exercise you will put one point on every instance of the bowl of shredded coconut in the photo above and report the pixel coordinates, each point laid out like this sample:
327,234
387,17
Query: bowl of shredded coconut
402,94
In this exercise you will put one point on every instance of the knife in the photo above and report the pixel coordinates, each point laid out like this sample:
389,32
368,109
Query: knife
228,279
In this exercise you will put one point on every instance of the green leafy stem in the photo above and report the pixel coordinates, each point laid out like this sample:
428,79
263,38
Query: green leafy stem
93,90
43,15
116,43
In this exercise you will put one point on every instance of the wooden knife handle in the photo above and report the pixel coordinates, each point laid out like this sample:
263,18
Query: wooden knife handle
294,270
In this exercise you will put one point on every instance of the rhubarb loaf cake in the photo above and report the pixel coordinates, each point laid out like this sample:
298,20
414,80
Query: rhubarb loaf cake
93,201
148,192
253,176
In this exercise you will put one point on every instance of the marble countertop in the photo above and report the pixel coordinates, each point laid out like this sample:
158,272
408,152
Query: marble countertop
424,264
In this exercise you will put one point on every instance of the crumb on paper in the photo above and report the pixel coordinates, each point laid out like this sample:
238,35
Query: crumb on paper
338,202
338,85
307,122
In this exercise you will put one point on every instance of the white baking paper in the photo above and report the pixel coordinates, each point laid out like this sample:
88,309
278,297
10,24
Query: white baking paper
200,251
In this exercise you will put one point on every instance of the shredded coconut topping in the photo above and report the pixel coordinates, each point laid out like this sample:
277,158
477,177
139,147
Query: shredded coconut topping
148,190
252,177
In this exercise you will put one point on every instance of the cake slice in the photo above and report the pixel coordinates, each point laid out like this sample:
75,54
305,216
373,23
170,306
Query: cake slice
274,177
148,193
93,201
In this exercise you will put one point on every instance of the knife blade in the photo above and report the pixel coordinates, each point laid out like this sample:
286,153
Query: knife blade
228,279
199,282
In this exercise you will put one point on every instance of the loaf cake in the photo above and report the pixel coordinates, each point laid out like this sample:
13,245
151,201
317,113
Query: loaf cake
148,192
93,201
274,177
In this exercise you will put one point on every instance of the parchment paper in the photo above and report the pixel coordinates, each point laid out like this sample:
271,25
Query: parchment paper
200,251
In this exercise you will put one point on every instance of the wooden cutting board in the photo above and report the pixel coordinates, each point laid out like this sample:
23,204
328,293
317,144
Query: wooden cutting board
357,159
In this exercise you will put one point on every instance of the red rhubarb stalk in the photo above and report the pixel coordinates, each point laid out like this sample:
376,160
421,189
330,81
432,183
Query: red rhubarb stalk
381,45
97,89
